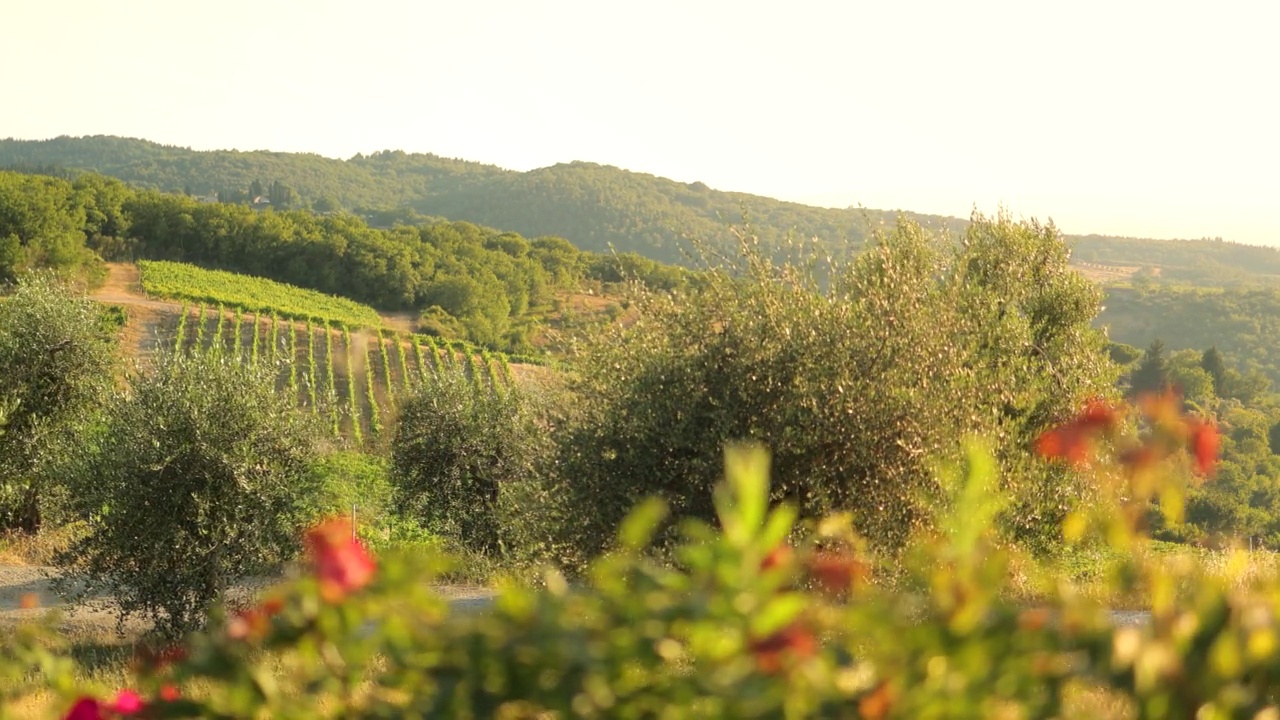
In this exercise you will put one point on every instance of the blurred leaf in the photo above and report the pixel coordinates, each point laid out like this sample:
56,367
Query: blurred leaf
639,527
743,499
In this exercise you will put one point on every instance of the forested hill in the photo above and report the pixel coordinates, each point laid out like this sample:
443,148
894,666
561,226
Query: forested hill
596,207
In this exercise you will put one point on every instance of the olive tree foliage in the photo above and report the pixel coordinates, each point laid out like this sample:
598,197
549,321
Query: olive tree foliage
198,478
1025,319
464,455
859,384
57,364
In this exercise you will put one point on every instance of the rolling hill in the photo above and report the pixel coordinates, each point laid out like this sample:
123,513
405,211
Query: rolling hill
596,207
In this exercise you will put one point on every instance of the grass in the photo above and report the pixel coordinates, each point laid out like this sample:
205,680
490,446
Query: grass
1089,570
17,548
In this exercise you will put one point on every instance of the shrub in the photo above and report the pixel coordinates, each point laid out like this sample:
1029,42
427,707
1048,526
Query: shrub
58,359
196,480
460,445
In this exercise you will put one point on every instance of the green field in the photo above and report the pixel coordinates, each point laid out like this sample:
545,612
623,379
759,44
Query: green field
180,281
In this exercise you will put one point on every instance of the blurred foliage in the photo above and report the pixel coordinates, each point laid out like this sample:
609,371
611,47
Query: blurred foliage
1242,504
743,625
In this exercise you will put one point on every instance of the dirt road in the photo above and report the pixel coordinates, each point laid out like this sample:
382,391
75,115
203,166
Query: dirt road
19,581
124,287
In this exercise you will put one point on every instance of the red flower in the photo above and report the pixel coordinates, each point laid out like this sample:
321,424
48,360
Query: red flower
169,693
790,643
1203,442
148,656
341,562
836,573
1071,441
254,622
777,557
85,709
1098,415
877,703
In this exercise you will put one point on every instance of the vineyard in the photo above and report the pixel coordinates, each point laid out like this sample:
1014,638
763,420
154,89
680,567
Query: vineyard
353,380
179,281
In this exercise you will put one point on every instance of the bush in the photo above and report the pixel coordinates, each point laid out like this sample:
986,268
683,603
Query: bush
858,385
461,445
58,358
199,477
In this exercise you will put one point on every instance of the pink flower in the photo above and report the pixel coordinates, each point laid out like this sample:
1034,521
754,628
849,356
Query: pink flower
127,702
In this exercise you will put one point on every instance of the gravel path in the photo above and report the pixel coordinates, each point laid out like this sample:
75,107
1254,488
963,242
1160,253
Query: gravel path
19,581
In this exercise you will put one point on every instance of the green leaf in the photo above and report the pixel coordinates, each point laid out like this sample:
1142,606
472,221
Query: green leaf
743,500
778,526
639,527
778,613
974,511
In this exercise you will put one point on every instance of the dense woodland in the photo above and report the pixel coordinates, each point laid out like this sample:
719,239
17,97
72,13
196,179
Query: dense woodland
467,281
1241,322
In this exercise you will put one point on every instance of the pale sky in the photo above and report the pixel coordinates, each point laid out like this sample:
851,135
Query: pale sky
1120,117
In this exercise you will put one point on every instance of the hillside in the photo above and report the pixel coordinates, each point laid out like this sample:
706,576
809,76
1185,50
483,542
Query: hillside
1240,322
596,207
351,378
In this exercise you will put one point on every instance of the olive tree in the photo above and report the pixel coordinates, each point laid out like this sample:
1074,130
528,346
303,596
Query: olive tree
58,360
198,478
859,377
461,448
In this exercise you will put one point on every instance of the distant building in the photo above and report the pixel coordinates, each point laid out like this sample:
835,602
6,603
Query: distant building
260,202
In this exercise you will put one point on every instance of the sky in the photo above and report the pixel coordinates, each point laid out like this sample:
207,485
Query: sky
1152,119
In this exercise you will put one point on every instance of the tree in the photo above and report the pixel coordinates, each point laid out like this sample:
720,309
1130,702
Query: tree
1213,364
59,363
42,224
326,204
282,196
1152,373
199,477
857,387
459,447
